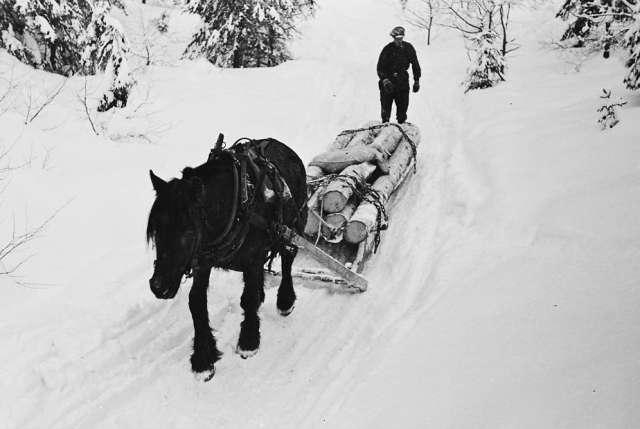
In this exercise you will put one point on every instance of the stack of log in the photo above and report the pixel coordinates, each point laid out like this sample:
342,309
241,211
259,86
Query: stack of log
369,163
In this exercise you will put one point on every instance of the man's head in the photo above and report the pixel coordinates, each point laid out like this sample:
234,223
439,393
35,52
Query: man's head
398,34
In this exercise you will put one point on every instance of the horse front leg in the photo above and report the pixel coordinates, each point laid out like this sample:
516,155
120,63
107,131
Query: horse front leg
252,297
286,294
205,351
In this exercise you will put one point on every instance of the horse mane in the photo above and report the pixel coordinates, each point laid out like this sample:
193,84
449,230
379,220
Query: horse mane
172,203
181,195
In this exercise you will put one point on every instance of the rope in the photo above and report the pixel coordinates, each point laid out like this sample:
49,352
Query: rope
363,192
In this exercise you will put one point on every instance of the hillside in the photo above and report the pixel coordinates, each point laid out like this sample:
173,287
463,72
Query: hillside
504,294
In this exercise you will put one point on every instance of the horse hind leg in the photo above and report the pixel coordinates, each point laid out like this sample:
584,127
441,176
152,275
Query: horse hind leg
249,340
286,294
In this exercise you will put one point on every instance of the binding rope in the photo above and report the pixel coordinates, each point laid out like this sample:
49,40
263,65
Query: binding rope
363,192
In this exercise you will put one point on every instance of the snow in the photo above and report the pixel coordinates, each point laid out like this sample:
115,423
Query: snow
504,294
45,28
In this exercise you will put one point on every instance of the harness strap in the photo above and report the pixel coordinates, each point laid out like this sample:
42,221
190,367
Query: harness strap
234,206
248,160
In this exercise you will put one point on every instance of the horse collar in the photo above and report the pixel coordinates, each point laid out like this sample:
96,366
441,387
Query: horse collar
226,245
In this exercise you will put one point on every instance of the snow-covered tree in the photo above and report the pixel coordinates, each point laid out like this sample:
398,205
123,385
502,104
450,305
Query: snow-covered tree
632,43
251,33
69,37
106,49
487,62
581,16
600,24
45,33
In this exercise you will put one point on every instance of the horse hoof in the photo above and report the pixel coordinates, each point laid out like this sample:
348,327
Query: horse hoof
286,312
245,354
205,375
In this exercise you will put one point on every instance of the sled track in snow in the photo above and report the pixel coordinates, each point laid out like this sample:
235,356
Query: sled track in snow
327,341
130,356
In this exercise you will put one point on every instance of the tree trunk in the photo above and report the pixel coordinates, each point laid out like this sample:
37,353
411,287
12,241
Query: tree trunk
336,221
342,140
404,146
314,172
365,137
387,141
338,191
364,218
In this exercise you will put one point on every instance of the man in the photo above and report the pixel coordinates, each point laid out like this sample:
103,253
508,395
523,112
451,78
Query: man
393,66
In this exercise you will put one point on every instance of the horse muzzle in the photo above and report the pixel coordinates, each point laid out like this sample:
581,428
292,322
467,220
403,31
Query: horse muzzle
160,290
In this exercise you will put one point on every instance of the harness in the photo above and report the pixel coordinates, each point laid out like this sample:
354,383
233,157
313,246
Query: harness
253,174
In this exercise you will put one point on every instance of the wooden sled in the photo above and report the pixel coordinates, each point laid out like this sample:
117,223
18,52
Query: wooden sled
324,258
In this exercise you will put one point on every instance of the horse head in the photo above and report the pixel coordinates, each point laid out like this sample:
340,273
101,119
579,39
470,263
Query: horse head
175,228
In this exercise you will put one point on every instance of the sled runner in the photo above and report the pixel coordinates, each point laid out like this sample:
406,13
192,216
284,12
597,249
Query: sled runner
351,187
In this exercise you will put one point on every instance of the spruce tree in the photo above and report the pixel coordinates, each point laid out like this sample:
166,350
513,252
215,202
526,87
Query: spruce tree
599,23
69,37
487,62
632,43
250,33
581,16
106,49
45,33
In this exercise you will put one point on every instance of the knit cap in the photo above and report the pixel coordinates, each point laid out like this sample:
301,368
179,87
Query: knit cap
397,31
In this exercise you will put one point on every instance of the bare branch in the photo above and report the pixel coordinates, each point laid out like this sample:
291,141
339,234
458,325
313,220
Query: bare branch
49,99
29,102
18,241
83,99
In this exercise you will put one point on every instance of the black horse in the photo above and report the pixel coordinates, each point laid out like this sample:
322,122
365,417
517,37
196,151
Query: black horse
225,213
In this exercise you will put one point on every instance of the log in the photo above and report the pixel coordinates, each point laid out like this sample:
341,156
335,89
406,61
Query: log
364,218
337,192
342,140
336,221
365,137
387,141
336,160
404,147
314,172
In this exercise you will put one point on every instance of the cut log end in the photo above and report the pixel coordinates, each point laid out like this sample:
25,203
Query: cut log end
314,172
333,222
334,201
355,232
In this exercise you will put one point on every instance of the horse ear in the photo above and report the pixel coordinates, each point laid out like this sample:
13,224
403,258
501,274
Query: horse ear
188,172
158,183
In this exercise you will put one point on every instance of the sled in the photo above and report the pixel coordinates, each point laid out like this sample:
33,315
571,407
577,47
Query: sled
327,255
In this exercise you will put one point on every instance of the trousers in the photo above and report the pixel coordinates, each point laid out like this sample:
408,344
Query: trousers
399,96
401,99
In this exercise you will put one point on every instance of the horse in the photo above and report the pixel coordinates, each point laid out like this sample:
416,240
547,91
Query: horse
225,214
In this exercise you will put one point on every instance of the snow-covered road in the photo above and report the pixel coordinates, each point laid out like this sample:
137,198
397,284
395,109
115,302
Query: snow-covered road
505,292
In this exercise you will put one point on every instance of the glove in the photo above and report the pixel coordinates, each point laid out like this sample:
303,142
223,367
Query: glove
387,86
416,86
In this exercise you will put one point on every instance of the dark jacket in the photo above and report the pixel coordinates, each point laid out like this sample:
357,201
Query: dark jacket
394,61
